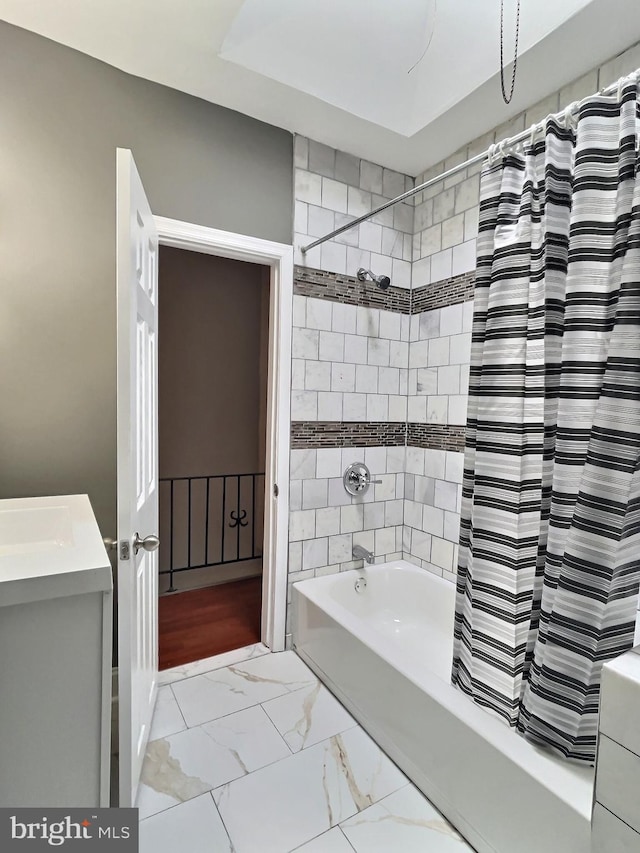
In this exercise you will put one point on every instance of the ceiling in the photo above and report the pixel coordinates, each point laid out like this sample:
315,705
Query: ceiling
399,82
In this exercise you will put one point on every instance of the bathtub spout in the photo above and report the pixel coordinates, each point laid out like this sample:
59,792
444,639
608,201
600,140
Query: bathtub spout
360,553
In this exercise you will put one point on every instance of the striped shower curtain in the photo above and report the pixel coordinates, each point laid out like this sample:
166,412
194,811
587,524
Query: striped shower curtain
549,562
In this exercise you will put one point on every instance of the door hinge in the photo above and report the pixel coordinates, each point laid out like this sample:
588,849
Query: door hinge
276,490
124,550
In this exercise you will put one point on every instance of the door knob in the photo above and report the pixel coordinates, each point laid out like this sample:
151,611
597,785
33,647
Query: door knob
149,543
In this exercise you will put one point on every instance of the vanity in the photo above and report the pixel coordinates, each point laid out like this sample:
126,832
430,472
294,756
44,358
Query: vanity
616,811
56,593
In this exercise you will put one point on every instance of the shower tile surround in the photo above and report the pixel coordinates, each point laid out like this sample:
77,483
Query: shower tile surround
432,292
349,404
360,357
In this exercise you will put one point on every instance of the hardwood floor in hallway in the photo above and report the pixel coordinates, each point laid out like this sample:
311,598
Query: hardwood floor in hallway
200,623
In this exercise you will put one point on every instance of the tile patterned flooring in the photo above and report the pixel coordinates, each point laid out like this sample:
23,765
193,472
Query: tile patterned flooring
249,753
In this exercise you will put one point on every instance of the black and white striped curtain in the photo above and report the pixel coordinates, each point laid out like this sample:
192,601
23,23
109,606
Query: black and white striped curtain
549,561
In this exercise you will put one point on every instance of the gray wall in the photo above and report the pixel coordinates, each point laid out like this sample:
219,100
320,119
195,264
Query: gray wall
210,388
62,116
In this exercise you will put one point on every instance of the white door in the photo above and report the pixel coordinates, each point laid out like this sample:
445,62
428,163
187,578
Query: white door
137,285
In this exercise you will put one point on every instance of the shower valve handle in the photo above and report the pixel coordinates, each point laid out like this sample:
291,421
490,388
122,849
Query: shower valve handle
357,478
361,480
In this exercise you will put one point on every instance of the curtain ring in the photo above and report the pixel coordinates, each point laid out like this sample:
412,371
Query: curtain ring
569,116
491,154
532,138
633,77
575,114
496,152
624,81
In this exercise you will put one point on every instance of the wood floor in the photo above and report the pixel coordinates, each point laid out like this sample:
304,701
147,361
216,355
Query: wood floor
204,622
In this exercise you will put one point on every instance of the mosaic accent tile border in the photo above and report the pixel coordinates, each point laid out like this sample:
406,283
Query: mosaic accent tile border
435,436
346,288
449,291
310,434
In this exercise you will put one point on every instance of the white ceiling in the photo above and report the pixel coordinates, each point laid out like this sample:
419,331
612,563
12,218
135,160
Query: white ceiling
338,70
356,55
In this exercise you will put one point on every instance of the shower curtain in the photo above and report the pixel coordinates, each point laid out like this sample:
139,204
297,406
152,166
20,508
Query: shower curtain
549,559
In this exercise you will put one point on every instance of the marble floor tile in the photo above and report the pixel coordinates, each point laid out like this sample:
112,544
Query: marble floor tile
224,691
250,737
308,716
193,827
404,821
167,718
230,783
329,842
178,673
306,794
187,764
179,768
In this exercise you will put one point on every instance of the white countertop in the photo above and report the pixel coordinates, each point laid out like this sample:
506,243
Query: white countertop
50,547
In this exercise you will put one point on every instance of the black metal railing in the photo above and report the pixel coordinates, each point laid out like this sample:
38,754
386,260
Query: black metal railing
209,521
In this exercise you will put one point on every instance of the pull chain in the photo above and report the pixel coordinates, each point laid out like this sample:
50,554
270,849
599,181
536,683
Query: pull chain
506,99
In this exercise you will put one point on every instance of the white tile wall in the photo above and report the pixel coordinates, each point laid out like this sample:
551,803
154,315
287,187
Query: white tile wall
433,493
326,522
333,188
439,355
348,363
361,364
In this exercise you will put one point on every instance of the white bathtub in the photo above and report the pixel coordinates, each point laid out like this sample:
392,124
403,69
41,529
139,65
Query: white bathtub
386,654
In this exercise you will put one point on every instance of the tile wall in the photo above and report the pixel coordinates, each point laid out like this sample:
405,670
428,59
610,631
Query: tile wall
349,387
326,522
394,359
333,188
350,362
439,355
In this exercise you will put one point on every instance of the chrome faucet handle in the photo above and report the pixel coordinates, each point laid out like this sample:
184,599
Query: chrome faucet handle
357,478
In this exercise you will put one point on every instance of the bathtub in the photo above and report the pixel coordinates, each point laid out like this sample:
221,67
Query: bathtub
385,652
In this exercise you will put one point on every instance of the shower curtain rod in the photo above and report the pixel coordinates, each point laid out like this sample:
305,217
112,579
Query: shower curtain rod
513,140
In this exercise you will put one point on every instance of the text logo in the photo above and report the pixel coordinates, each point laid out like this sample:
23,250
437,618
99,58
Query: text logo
28,830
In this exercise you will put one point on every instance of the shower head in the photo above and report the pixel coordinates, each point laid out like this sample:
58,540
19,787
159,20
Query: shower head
383,281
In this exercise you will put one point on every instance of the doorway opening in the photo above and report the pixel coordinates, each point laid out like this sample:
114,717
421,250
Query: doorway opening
212,417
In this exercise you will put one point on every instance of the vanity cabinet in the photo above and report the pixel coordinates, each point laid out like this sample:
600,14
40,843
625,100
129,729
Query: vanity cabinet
55,654
616,815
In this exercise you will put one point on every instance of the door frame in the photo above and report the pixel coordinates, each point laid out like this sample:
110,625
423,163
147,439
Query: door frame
279,258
